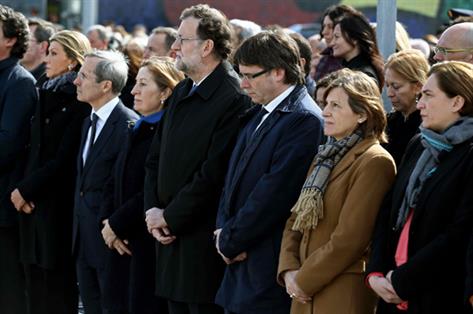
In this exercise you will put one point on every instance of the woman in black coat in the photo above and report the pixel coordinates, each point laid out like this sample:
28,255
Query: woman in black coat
45,195
421,238
131,263
405,73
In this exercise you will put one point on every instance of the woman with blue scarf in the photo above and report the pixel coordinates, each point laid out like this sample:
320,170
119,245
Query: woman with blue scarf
421,238
129,283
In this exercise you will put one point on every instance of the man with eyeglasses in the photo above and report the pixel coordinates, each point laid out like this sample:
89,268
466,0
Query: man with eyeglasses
187,163
266,172
456,43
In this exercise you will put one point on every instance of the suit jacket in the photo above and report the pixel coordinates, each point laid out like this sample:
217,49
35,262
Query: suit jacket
264,178
50,176
185,171
432,280
129,281
91,179
331,258
18,98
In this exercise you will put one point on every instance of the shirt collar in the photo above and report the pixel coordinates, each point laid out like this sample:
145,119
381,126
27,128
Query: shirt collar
106,110
276,101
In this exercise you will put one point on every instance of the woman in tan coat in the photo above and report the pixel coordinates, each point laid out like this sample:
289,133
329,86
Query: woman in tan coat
326,240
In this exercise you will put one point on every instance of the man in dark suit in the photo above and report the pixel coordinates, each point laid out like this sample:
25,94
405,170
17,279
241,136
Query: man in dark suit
99,82
266,172
18,98
186,165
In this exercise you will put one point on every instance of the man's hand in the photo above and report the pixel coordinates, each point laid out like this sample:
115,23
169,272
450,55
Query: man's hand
239,258
163,235
108,235
121,246
293,289
155,219
383,288
20,203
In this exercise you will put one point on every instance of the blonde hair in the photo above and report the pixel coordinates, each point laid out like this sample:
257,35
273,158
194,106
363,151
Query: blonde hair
364,98
454,79
75,45
402,38
410,64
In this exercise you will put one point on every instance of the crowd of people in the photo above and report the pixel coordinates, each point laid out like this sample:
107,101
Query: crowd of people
223,167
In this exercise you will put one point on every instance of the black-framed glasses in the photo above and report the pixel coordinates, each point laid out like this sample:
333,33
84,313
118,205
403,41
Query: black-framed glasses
445,51
181,39
252,76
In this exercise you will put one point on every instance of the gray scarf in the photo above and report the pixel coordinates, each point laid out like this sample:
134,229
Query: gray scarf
309,206
434,144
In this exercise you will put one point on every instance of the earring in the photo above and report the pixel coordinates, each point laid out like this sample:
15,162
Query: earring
360,121
162,101
70,67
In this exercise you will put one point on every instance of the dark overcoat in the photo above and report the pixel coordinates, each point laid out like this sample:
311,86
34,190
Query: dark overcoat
263,182
50,176
185,171
432,280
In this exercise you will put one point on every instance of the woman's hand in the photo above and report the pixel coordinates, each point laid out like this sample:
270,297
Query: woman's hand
383,288
293,289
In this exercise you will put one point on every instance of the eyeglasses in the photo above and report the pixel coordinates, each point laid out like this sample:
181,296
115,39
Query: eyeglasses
181,39
445,51
249,76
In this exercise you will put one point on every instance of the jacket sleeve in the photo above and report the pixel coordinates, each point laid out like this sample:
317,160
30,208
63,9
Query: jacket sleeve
289,258
268,205
201,194
19,102
150,195
49,176
351,238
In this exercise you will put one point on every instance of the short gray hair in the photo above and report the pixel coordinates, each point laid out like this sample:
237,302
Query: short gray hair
113,67
102,32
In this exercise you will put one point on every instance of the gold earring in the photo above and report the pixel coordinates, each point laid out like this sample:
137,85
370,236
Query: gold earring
70,67
162,101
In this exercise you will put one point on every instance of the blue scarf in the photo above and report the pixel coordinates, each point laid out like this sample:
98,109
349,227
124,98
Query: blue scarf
151,119
434,144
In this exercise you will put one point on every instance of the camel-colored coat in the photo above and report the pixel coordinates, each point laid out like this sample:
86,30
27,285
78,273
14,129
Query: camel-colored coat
331,258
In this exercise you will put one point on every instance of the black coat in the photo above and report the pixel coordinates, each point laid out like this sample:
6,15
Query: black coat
18,99
432,280
400,131
130,280
91,179
50,175
185,171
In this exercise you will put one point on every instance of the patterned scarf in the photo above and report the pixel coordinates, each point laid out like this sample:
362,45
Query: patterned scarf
309,207
434,144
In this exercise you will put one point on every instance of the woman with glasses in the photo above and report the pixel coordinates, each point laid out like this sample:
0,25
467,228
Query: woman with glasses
405,72
326,240
45,196
422,231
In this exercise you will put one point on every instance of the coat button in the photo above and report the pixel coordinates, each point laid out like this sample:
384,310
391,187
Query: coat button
46,121
81,193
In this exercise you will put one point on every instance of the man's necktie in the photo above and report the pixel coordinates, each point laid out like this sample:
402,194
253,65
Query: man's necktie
93,130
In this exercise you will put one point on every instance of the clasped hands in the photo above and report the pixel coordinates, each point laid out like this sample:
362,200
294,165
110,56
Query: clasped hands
157,226
384,288
20,203
293,289
239,258
112,241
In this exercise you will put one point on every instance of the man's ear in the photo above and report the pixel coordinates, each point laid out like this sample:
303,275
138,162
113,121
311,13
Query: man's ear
10,42
208,47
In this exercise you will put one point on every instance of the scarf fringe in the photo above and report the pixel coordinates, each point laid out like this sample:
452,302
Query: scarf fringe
309,210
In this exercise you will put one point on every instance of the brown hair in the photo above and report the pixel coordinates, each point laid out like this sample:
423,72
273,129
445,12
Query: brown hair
164,72
364,98
410,64
454,79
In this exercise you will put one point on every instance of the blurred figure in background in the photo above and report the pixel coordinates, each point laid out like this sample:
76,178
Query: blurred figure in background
456,43
99,37
160,42
134,51
317,45
306,58
405,74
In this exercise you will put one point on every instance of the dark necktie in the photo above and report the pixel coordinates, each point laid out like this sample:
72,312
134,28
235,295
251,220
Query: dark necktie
194,87
93,129
257,120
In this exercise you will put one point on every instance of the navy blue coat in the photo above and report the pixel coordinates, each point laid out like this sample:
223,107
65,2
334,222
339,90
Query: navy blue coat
91,179
263,182
18,98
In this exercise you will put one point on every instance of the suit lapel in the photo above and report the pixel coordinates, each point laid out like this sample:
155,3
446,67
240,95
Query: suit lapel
103,137
85,130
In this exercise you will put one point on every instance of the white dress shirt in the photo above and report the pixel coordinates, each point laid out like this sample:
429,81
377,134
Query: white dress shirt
274,103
